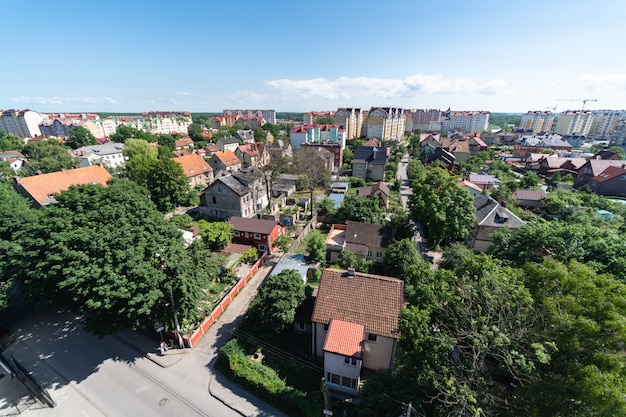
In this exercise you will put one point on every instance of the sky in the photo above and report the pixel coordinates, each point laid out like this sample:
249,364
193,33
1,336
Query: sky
299,56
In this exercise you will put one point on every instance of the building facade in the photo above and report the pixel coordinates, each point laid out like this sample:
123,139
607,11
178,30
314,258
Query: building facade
386,123
22,123
576,122
537,121
351,119
465,121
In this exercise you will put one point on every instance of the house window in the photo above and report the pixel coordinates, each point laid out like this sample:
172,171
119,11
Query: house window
372,337
369,253
214,200
257,236
622,177
333,378
348,382
263,248
302,326
236,233
379,255
325,327
349,360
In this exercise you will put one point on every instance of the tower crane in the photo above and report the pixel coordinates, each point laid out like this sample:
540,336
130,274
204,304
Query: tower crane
552,108
584,100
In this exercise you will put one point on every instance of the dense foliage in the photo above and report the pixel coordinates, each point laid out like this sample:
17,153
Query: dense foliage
49,156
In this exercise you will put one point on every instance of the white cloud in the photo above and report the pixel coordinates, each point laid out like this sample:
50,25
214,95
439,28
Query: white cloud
353,88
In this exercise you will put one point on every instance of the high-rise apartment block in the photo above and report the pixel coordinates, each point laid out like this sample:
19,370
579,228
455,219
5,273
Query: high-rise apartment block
604,123
537,121
426,120
268,115
465,121
577,122
351,119
386,123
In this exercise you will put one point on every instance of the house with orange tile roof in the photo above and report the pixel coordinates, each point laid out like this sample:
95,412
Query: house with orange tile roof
225,161
41,189
355,324
196,169
184,143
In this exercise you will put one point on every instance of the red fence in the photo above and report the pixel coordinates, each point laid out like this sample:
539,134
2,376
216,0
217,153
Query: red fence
221,307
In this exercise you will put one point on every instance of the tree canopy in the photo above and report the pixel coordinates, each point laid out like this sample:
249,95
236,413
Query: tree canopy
441,206
140,158
49,156
359,208
400,258
316,246
216,235
9,142
168,185
80,137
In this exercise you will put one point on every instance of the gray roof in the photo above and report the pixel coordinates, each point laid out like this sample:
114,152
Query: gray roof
544,141
108,148
228,140
232,183
245,135
371,154
249,175
360,236
336,198
490,213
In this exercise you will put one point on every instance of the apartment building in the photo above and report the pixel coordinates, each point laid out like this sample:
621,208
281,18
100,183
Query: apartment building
351,119
426,120
577,122
386,123
537,121
313,117
268,115
166,122
465,121
605,122
22,123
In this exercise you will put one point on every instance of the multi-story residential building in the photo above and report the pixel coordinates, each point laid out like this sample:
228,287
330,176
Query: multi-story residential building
386,123
167,122
225,161
604,123
537,121
22,123
365,240
317,134
313,117
576,122
618,137
244,194
465,121
228,143
253,154
196,169
268,115
426,120
108,154
351,119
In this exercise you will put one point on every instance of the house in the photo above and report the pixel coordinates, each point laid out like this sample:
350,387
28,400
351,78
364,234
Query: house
484,181
227,143
369,163
379,191
429,139
253,154
196,169
444,157
255,232
551,164
225,161
332,147
355,325
279,150
15,159
184,143
529,198
539,143
41,189
610,182
211,148
490,217
244,194
180,153
365,240
245,136
593,168
470,186
109,154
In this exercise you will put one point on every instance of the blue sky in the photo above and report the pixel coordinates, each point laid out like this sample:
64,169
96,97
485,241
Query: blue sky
136,55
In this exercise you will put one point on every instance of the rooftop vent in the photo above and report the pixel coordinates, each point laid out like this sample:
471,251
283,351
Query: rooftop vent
350,273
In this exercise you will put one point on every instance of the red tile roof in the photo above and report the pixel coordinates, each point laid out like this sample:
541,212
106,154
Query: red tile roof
193,164
345,338
610,173
41,187
244,224
373,301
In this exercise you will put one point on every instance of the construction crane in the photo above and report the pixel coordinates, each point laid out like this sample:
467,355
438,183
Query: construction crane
552,108
584,100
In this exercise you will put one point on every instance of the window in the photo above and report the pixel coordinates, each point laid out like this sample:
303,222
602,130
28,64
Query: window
236,233
369,253
214,200
379,255
348,382
257,236
333,378
349,360
372,337
302,326
325,327
263,248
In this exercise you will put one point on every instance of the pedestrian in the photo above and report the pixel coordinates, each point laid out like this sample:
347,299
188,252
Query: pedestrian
163,348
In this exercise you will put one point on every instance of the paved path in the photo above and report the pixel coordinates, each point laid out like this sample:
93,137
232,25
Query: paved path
125,374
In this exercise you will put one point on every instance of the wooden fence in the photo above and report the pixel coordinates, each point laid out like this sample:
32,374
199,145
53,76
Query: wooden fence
221,306
303,234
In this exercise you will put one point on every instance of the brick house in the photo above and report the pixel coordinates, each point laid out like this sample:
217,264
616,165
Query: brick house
255,232
355,325
593,168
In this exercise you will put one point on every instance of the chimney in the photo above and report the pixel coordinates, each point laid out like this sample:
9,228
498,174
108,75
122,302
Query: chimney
350,273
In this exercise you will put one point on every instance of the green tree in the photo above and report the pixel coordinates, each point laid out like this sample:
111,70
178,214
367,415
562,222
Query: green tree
402,225
10,142
530,180
621,152
123,133
325,207
168,185
302,183
260,135
348,157
79,137
140,158
283,242
49,156
442,207
400,259
316,246
359,208
108,254
347,259
195,132
584,314
274,308
216,235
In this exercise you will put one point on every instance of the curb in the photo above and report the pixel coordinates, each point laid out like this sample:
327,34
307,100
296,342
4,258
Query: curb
223,401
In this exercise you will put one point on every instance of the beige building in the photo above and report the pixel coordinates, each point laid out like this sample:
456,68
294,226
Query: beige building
386,123
537,121
351,119
576,122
